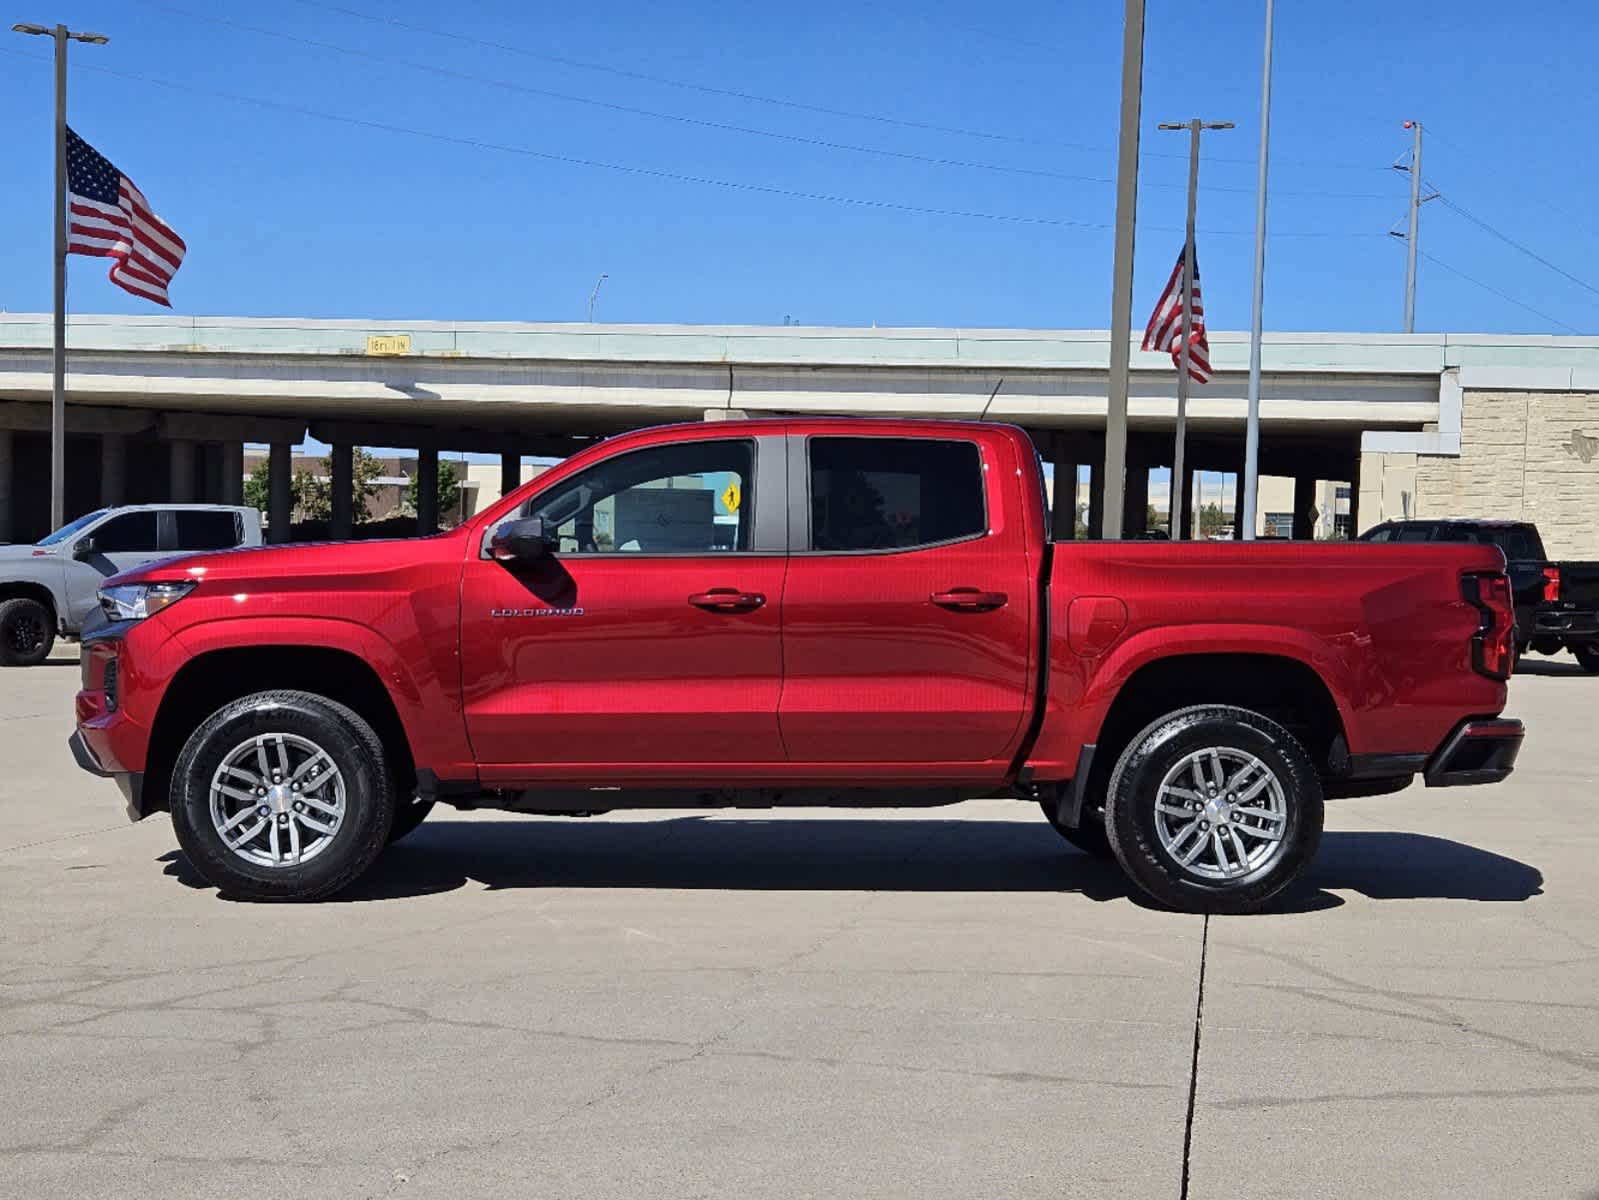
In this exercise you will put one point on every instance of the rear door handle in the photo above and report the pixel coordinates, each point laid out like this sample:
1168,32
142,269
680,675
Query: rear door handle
727,600
969,600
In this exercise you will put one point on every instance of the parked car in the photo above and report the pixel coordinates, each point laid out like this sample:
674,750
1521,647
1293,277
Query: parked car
47,590
1557,603
794,612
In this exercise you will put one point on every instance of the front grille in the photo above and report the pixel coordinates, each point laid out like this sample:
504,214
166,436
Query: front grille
109,684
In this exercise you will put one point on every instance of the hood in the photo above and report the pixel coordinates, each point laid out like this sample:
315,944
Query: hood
303,562
13,551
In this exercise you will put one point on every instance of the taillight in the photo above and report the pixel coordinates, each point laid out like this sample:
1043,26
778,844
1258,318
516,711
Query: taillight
1493,646
1551,584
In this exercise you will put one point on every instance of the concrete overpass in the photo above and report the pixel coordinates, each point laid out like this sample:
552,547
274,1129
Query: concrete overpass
160,407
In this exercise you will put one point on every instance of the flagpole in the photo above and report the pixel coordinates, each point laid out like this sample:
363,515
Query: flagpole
1176,503
58,386
58,390
1246,523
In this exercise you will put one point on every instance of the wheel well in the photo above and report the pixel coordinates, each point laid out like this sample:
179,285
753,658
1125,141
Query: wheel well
30,591
208,682
1283,689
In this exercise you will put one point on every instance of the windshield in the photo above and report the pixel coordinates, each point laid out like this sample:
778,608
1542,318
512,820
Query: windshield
72,527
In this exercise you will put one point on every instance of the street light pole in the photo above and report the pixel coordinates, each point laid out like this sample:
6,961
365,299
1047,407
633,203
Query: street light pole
58,391
595,295
1176,505
1121,288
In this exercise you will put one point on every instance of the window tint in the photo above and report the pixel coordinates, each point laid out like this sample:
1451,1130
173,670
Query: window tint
1385,534
1413,533
684,498
206,530
1519,545
132,532
1457,533
890,493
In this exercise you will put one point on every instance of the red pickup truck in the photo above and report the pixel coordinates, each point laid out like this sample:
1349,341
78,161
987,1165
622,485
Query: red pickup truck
794,612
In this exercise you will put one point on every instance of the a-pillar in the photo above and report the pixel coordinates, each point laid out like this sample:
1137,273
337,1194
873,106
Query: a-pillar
280,492
427,492
113,469
231,455
6,439
1304,503
510,471
181,490
342,490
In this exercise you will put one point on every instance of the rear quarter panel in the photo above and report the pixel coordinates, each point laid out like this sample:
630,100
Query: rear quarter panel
1384,626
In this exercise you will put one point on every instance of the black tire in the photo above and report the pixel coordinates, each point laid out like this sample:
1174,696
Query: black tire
27,631
408,816
1089,836
1587,657
1161,748
345,738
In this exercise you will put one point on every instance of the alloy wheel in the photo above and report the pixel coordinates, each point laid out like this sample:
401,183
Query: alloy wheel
277,800
1221,814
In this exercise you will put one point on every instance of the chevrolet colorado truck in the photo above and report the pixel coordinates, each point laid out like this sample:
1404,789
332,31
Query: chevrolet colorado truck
49,589
794,612
1557,603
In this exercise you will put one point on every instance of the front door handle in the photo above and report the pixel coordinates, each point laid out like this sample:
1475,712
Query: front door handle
727,600
965,599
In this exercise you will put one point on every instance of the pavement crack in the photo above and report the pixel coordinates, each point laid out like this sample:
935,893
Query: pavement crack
1193,1066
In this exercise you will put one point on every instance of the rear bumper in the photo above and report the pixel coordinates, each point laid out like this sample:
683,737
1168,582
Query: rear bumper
1480,750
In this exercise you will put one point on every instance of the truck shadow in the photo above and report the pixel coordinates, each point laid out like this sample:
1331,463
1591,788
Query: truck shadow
1549,666
865,854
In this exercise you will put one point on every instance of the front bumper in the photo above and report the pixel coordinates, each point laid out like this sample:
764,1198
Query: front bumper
1480,750
131,783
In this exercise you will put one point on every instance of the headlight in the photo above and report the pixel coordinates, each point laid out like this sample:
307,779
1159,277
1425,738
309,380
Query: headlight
136,601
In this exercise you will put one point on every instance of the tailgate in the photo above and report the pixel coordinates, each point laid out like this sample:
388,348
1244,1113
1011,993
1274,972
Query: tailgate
1579,584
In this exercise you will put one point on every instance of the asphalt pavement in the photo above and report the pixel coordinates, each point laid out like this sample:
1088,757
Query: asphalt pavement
928,1003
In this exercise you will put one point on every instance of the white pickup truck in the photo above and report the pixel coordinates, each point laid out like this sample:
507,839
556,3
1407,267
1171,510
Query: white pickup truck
49,589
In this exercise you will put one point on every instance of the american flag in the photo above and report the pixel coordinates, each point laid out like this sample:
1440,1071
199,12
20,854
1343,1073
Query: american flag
108,217
1165,331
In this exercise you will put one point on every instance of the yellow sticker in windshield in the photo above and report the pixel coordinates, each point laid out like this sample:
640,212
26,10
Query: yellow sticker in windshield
731,497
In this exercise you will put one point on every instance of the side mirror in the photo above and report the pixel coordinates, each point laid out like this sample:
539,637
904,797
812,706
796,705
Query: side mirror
519,541
85,548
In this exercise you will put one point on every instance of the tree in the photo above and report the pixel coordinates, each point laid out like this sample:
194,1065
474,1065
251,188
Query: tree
313,497
449,493
1211,519
258,487
364,472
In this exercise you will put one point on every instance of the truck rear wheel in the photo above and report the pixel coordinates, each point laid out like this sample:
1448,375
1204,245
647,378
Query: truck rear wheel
27,631
282,795
1214,809
1588,657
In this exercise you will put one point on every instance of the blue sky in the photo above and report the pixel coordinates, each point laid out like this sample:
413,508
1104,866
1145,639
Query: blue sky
290,214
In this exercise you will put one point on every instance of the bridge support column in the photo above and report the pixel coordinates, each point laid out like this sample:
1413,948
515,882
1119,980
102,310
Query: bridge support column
1304,501
1238,505
6,459
510,471
231,456
280,503
181,484
1183,528
1135,517
113,468
427,492
342,458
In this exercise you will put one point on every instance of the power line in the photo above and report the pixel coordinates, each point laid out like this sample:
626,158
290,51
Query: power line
650,172
799,105
1488,287
1479,165
721,126
1515,245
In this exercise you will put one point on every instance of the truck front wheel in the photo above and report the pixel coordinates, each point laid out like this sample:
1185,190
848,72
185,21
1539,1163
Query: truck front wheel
1214,809
282,795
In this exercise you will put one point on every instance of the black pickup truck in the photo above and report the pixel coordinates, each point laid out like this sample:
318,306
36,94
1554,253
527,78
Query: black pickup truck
1557,603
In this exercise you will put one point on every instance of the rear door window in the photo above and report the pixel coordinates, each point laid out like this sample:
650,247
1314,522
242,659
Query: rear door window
1414,533
201,530
131,533
871,493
